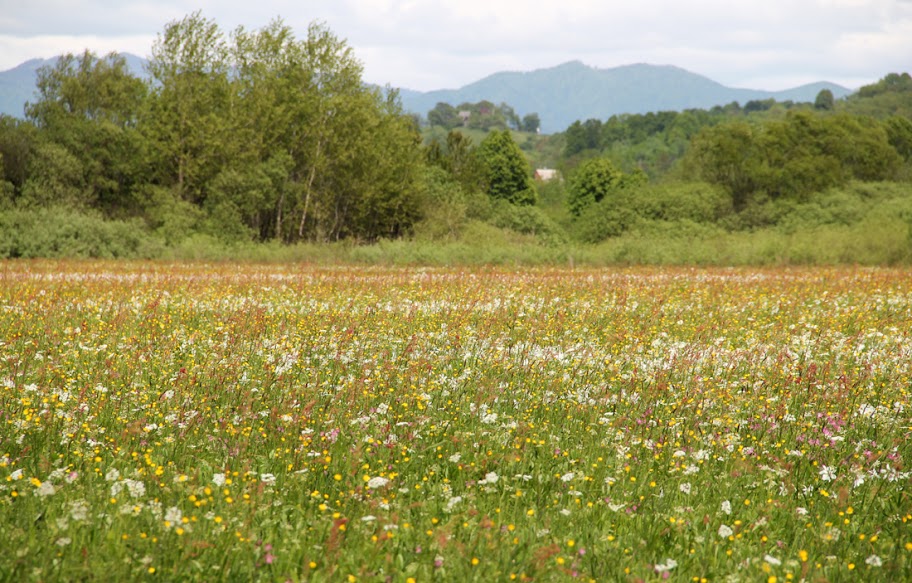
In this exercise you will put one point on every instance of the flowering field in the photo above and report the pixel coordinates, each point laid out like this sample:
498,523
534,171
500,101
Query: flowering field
194,422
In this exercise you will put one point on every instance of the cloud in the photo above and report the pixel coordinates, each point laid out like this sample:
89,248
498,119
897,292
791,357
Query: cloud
429,44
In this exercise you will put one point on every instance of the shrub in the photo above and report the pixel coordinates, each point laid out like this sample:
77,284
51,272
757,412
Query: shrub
58,232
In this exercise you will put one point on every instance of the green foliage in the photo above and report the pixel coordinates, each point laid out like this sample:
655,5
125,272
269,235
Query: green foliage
445,116
506,173
656,208
825,100
528,220
55,178
63,232
17,142
170,217
595,180
892,95
531,123
792,158
899,134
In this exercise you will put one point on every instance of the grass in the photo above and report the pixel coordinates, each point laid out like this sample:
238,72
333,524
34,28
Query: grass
194,421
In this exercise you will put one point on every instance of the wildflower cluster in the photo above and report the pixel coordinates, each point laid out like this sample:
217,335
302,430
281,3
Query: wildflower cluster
251,422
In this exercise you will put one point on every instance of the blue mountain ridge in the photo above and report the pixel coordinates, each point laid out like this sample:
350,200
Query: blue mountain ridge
560,95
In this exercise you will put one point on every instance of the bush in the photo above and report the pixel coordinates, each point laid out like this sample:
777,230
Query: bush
58,232
528,220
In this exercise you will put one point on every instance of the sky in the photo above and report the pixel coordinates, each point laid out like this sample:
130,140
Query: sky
437,44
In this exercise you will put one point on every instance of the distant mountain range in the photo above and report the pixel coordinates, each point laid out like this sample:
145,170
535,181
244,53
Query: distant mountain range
560,95
574,91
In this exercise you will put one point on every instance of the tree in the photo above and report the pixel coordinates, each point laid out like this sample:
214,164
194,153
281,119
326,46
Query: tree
457,157
899,133
506,172
17,144
582,136
444,115
189,106
726,155
595,180
824,101
90,107
531,123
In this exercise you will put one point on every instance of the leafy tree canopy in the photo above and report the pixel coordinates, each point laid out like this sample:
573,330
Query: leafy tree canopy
507,175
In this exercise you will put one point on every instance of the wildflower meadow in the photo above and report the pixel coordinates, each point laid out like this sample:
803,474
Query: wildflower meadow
231,422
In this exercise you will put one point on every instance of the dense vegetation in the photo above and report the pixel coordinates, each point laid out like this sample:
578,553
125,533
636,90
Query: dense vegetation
256,137
179,422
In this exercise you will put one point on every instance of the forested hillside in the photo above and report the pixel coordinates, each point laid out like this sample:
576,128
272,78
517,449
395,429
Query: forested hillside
258,137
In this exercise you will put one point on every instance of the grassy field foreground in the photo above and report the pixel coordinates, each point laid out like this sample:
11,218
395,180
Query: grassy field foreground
225,422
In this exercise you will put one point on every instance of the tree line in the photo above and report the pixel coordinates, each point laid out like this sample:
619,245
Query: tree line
256,135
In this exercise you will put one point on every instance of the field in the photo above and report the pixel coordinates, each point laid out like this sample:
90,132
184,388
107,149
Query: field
248,422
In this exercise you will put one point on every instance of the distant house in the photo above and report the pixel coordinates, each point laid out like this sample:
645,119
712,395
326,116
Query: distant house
464,116
545,174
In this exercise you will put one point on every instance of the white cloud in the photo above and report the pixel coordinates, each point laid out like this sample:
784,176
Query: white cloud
429,44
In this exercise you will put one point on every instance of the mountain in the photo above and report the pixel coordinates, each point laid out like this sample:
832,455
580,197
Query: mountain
17,85
560,95
574,91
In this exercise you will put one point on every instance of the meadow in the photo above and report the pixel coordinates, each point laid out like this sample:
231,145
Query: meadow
233,422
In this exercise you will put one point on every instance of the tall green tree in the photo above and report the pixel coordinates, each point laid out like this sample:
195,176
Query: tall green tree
90,107
824,101
187,120
507,175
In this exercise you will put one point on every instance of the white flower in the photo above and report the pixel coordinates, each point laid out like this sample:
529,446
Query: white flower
567,477
726,507
489,418
490,478
565,511
218,480
801,510
725,531
17,475
874,561
668,565
112,475
63,541
136,488
377,482
452,502
45,489
382,409
173,515
79,510
772,560
827,474
865,410
268,478
455,458
368,518
685,487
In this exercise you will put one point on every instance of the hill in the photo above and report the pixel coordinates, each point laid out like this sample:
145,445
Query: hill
560,95
574,91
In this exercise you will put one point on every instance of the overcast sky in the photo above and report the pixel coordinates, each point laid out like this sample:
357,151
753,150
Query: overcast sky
435,44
